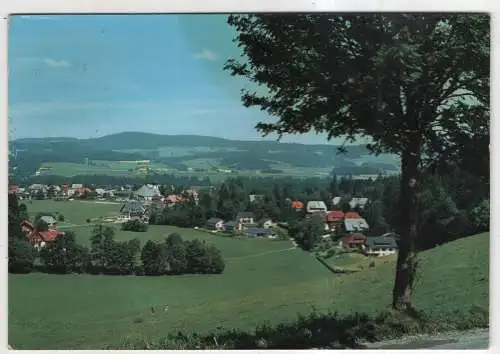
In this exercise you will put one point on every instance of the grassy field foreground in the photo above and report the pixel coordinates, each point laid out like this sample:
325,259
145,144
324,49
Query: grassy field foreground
264,282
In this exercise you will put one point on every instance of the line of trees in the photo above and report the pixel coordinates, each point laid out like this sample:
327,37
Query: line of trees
108,256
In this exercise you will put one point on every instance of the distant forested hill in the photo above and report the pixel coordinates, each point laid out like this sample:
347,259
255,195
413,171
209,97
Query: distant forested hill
180,149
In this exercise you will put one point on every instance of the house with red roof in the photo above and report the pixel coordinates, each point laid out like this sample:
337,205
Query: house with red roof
334,218
13,189
297,204
354,240
39,238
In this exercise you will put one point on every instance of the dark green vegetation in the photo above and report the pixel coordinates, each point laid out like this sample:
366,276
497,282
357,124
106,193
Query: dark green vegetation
417,84
107,256
182,154
86,312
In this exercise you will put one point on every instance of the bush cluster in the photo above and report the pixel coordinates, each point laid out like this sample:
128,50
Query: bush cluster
135,225
317,331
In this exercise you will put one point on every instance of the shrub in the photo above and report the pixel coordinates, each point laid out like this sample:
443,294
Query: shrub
135,225
64,255
120,258
153,261
21,255
61,217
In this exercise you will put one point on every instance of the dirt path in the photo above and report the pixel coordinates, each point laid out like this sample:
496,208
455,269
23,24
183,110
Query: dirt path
261,254
474,339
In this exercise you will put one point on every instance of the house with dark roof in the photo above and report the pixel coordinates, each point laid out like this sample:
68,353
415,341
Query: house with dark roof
133,209
147,192
215,224
245,218
268,223
381,245
259,232
233,226
49,220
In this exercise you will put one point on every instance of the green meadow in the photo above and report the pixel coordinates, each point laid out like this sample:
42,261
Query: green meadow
264,281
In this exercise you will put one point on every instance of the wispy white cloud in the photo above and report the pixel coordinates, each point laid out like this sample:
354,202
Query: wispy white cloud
53,63
56,63
206,54
39,17
182,108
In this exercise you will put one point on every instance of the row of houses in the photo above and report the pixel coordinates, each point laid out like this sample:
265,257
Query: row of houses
372,246
245,223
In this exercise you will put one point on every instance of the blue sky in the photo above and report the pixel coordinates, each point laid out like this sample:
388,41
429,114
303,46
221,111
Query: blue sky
89,75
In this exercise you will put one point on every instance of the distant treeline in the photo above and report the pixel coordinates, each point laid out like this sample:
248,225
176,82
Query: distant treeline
243,155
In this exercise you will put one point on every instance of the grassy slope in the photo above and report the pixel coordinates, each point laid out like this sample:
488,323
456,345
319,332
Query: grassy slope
263,282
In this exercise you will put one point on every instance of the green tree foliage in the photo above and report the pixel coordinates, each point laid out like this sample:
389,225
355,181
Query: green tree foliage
120,258
216,264
100,239
64,255
174,239
373,215
153,260
308,232
135,225
408,81
197,255
14,217
480,216
176,254
21,255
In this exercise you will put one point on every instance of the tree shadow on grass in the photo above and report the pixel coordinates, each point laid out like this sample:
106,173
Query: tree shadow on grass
319,331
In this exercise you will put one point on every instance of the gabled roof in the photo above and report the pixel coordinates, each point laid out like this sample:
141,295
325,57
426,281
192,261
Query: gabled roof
132,206
213,221
231,223
381,242
148,191
355,224
297,204
336,200
334,215
352,215
50,235
355,238
48,219
316,205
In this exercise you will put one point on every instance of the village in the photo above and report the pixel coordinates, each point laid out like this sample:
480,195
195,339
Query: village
346,228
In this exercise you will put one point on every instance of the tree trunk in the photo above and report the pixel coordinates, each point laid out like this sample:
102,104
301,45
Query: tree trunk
407,260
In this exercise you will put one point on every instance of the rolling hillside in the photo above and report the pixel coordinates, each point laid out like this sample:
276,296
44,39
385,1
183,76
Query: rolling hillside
201,153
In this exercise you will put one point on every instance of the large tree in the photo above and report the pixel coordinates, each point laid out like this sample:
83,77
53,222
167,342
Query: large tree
409,82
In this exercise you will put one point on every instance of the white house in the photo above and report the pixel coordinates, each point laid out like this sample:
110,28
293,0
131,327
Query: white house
215,224
358,202
381,246
316,206
355,225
